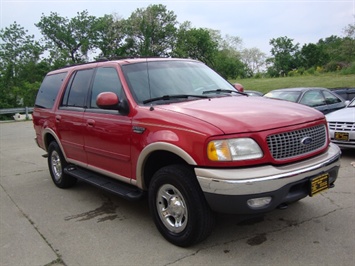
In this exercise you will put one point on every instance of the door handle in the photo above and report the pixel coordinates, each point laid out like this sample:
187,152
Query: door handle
90,122
58,118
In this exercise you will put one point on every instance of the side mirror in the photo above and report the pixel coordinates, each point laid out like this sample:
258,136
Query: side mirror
110,101
239,87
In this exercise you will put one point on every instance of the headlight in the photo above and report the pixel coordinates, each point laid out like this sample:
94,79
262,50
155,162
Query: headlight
233,150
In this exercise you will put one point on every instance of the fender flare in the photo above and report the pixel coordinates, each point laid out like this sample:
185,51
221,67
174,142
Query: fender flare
51,132
158,146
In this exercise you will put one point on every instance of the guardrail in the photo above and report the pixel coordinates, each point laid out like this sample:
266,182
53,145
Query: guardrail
26,110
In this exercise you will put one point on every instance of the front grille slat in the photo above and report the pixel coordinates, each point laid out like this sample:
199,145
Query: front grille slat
342,126
289,144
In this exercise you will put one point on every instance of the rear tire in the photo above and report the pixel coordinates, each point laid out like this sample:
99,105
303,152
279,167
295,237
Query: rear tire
178,206
56,165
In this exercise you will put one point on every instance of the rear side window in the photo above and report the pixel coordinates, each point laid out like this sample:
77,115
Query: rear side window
77,89
49,89
346,95
330,98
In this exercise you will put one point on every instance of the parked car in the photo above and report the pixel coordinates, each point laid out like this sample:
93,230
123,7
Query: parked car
341,125
253,93
176,131
346,93
321,99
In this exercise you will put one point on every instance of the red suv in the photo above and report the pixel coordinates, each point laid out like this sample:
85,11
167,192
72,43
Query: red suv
175,130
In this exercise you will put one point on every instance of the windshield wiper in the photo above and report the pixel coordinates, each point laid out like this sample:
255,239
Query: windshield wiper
175,96
222,91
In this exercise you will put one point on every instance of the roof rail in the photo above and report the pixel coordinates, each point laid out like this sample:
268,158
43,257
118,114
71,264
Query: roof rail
104,59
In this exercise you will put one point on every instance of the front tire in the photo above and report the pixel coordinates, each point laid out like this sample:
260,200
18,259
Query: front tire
178,206
56,165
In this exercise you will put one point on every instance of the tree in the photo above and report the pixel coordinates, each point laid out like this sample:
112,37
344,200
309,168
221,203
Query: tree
111,35
285,55
196,44
18,52
313,55
69,39
331,45
151,31
254,58
338,51
231,43
227,59
348,45
229,66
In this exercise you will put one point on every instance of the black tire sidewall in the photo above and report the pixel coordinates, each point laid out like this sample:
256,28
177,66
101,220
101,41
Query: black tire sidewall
184,180
65,181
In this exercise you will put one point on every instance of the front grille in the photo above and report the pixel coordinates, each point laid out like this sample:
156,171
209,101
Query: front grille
342,126
295,143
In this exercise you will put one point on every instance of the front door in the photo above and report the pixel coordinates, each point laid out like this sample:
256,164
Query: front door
107,133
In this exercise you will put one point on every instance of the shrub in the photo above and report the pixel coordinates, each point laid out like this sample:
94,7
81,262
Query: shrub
296,72
349,70
311,71
319,69
258,75
335,66
301,70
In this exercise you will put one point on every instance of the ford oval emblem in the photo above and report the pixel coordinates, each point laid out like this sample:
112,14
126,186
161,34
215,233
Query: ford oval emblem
306,141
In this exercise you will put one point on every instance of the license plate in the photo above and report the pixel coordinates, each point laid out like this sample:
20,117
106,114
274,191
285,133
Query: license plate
319,184
344,136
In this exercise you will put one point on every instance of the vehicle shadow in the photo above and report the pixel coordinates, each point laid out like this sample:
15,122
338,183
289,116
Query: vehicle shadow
348,153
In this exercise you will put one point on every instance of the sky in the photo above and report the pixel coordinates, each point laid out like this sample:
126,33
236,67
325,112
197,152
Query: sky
256,22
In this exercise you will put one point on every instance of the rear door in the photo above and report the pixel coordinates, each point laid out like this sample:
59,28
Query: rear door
107,133
69,117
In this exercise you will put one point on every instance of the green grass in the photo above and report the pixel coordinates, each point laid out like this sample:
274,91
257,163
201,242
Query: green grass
328,80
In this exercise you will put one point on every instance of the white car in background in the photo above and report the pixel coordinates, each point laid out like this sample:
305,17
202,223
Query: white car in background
341,126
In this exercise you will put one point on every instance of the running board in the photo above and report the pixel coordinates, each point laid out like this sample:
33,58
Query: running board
114,186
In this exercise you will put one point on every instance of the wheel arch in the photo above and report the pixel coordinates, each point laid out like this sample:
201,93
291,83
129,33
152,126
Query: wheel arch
48,136
156,156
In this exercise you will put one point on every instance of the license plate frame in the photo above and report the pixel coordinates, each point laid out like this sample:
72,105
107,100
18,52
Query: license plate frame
319,184
342,136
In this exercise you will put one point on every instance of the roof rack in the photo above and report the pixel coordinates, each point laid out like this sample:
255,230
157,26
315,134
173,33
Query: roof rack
104,59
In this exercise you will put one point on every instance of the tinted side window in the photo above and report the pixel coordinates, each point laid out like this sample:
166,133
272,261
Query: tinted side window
77,88
313,98
342,94
49,89
330,98
106,79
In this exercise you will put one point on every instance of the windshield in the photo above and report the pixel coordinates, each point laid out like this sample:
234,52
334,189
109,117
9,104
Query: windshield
291,96
160,80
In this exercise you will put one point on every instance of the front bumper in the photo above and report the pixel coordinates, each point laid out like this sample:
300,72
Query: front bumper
227,190
343,144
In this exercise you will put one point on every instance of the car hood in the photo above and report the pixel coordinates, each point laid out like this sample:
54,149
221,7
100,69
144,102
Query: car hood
342,115
245,114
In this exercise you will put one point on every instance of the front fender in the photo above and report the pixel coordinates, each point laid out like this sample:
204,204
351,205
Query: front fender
158,146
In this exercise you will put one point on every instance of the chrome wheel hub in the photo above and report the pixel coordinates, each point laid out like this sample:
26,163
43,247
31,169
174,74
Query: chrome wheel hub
56,165
172,208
